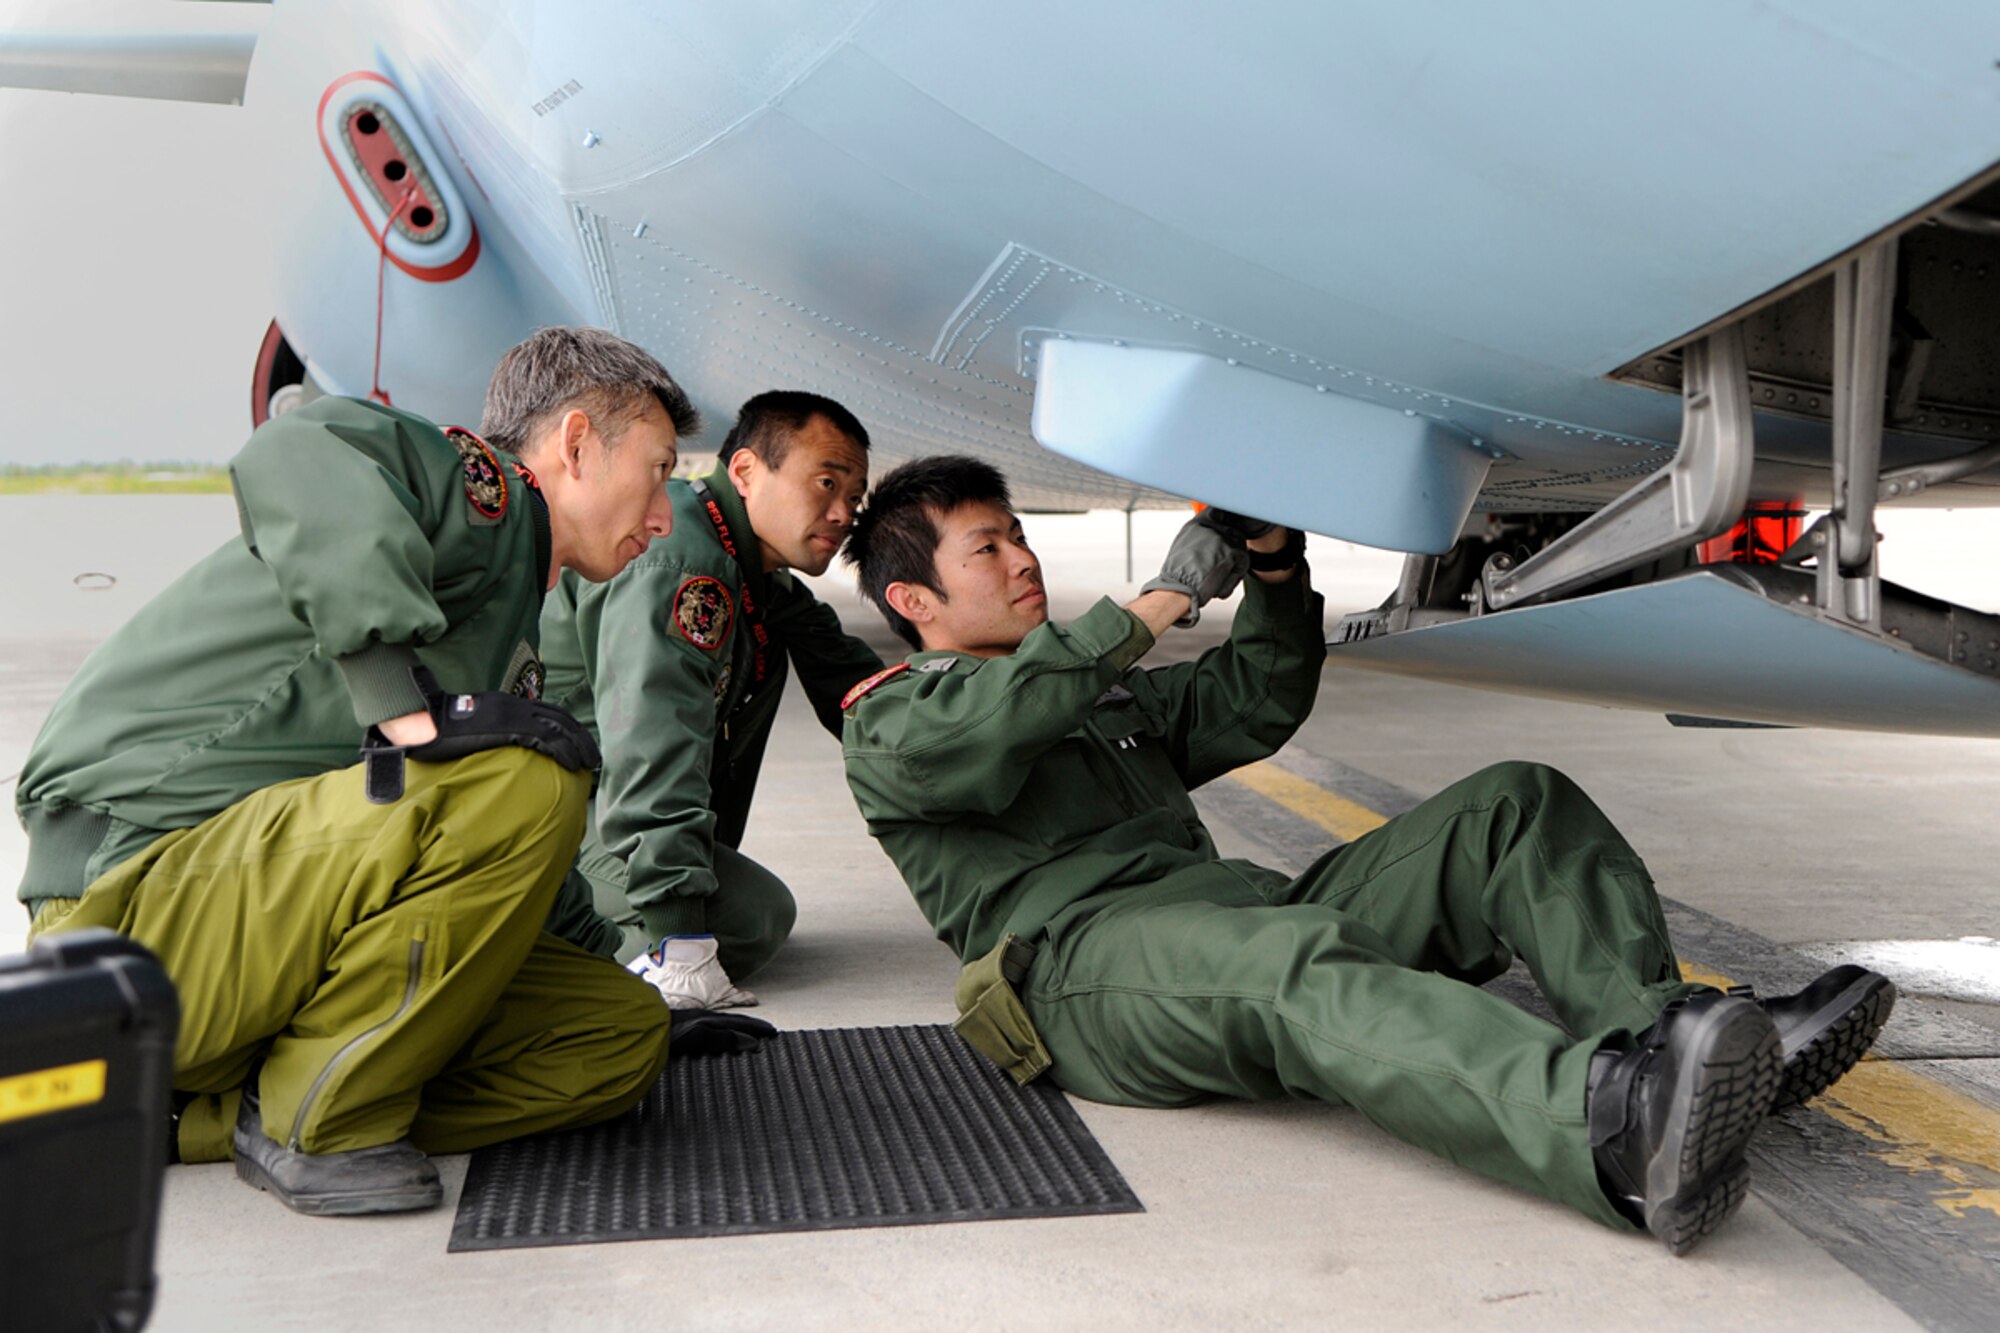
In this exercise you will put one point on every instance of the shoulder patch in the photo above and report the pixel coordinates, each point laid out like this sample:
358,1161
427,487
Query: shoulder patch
485,483
854,695
702,611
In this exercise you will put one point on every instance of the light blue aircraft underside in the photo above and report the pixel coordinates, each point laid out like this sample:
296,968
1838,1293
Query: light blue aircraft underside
1442,278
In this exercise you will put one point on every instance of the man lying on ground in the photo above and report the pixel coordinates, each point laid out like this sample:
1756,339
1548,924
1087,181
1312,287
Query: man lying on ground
1031,783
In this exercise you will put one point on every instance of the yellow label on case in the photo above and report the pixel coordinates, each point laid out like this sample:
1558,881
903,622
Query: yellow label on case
47,1090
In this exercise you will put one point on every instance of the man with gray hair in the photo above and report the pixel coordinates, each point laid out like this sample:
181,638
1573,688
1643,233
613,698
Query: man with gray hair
358,949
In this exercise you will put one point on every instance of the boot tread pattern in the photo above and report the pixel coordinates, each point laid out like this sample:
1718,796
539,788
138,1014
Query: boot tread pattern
1733,1088
1817,1067
1733,1091
1684,1225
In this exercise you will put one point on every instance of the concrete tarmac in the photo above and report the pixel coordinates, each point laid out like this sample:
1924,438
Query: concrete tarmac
1257,1216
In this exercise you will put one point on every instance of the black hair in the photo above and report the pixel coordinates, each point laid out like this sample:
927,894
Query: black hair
766,424
895,537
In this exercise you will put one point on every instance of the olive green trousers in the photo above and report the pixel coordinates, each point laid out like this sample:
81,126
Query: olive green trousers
751,912
1358,982
382,968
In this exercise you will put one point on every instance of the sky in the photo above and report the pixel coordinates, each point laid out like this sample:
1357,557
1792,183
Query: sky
133,283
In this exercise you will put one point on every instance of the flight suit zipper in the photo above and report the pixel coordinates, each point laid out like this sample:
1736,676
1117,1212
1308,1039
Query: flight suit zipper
1137,797
1127,791
416,966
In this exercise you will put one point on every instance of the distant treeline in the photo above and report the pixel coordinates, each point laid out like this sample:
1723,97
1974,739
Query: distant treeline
114,479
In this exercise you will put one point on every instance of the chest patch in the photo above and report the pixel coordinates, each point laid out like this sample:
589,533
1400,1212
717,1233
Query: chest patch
722,683
702,612
485,483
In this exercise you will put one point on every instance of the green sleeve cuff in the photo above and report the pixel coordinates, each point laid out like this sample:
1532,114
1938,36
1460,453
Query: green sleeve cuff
1291,600
575,918
1110,633
379,680
678,915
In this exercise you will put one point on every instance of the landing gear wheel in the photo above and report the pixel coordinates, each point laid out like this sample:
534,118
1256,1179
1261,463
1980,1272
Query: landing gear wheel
279,384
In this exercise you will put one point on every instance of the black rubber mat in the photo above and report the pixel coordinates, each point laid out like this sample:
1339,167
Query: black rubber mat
843,1127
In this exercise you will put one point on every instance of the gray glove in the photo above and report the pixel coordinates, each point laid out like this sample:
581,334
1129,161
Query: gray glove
1206,561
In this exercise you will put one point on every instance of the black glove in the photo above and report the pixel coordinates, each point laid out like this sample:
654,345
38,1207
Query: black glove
469,723
1285,557
715,1032
1242,525
1206,561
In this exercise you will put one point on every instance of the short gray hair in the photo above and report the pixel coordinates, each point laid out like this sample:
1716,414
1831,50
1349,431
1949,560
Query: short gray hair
556,369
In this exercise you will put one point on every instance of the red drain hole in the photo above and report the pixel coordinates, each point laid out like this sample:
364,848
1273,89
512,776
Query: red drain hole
385,159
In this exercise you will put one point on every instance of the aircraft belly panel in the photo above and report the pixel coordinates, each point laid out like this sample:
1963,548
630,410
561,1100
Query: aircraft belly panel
1625,173
728,337
1468,214
1696,644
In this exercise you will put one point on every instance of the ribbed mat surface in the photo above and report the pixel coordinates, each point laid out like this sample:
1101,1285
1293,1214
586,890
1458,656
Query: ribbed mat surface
842,1127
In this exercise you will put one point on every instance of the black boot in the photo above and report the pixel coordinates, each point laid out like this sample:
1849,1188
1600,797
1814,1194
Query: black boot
391,1178
1669,1119
1826,1028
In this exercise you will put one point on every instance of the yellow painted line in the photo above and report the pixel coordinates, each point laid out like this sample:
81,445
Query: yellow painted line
1704,976
1336,814
1923,1126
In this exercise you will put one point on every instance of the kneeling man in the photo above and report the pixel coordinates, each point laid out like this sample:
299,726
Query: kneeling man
1031,783
678,665
358,951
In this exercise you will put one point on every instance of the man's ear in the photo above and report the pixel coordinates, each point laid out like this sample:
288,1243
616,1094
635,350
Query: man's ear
574,430
743,466
911,601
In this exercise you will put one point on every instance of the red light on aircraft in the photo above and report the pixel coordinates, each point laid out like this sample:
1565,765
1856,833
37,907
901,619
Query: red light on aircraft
1765,532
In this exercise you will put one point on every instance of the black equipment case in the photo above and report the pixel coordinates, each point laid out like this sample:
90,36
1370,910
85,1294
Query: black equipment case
87,1024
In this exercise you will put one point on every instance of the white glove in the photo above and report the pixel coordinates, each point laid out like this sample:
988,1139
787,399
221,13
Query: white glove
688,975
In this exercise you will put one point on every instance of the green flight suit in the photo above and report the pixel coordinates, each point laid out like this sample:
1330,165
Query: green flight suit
678,664
1045,795
194,786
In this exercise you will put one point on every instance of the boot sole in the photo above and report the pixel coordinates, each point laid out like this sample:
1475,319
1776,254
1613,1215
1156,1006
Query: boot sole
1684,1222
350,1203
1728,1075
1843,1031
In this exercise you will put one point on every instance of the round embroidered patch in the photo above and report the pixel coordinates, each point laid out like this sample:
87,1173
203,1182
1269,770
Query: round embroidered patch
528,684
485,484
702,610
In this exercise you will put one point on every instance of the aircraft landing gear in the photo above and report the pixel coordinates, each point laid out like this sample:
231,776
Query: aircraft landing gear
280,383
